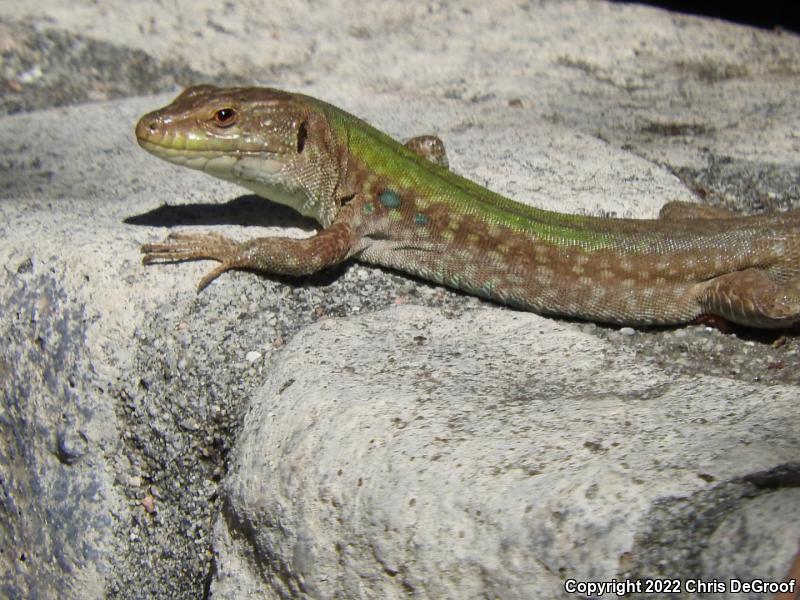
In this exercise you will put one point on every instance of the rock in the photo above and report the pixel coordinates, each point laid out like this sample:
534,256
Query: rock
395,465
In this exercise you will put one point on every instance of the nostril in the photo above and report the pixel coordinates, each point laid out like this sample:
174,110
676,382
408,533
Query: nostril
149,126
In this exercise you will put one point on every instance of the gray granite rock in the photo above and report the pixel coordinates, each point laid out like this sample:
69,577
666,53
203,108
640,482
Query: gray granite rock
497,455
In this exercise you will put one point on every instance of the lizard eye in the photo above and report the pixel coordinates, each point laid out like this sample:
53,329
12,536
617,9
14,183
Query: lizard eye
225,117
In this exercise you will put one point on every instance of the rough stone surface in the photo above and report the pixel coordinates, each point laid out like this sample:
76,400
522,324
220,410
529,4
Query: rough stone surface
394,466
257,440
56,427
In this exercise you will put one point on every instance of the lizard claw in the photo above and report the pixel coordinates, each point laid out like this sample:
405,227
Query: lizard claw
212,275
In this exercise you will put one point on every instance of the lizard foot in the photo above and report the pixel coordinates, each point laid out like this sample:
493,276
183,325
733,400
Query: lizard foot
752,299
180,247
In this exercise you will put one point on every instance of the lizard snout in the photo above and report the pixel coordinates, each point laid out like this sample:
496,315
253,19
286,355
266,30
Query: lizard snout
149,127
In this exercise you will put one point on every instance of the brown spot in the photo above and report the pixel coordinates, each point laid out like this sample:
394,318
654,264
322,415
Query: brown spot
149,504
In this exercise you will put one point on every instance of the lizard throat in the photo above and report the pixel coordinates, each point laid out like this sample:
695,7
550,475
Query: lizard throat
256,172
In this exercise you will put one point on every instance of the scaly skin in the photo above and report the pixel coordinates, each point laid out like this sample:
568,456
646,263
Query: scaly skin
399,206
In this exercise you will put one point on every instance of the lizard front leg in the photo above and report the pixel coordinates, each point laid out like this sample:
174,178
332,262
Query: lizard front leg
279,255
430,147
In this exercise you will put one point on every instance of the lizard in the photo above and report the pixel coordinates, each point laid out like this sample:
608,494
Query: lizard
399,206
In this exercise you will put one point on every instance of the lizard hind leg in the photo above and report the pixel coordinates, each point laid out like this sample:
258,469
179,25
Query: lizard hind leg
677,209
752,299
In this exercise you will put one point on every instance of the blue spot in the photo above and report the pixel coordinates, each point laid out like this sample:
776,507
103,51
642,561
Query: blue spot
389,199
420,219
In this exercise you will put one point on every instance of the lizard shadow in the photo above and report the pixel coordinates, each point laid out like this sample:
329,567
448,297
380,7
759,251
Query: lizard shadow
246,211
742,332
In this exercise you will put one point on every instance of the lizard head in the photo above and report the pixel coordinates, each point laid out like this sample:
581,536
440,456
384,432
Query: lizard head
256,137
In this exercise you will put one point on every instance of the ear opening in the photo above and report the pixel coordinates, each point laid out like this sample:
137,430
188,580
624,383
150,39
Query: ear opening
302,135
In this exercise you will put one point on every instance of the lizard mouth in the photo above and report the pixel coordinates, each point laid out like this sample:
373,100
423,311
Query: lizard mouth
168,152
253,166
194,159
